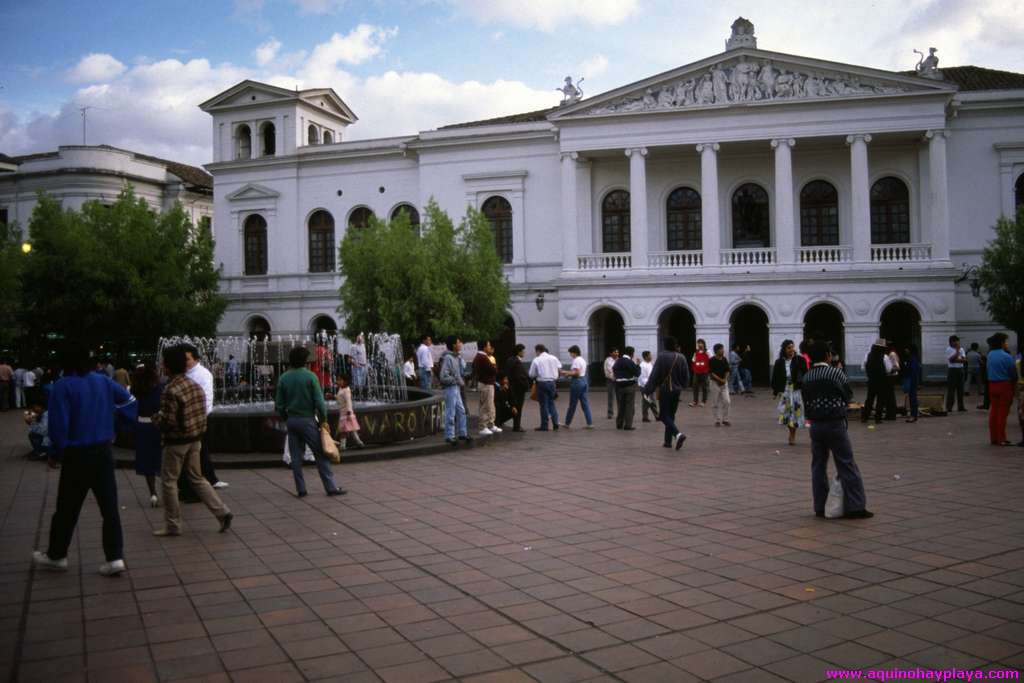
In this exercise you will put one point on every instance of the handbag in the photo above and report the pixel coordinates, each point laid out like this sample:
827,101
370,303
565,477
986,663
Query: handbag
533,392
328,444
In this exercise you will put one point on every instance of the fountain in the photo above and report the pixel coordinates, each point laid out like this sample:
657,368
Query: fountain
245,373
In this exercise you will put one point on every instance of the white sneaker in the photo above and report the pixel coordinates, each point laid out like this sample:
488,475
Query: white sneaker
496,429
112,568
221,485
485,432
154,502
43,560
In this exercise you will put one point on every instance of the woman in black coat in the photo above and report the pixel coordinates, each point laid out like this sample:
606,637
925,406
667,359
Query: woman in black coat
875,367
787,379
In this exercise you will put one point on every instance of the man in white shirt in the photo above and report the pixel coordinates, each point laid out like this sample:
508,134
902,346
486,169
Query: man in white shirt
544,370
648,405
195,371
409,370
609,378
19,386
358,355
955,360
29,381
425,361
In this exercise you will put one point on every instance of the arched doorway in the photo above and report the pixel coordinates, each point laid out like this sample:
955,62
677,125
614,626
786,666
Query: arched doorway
825,321
748,326
258,328
678,322
325,323
900,324
606,331
505,343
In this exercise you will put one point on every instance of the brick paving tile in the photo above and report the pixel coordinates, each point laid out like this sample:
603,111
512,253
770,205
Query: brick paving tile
710,664
620,657
527,651
189,667
274,673
135,673
470,663
662,672
332,665
424,671
562,670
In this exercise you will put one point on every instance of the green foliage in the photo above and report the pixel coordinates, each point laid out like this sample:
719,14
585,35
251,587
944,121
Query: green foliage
449,280
1002,273
11,262
120,275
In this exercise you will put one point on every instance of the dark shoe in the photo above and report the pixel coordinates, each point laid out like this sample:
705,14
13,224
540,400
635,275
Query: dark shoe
911,420
819,514
337,492
555,427
859,514
645,420
451,442
727,423
540,429
629,429
467,439
680,438
961,410
519,429
225,522
666,445
300,494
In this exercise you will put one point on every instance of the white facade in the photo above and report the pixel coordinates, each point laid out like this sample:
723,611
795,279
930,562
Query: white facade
777,121
76,174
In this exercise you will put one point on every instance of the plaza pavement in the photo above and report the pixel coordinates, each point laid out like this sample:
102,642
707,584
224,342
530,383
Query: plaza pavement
569,556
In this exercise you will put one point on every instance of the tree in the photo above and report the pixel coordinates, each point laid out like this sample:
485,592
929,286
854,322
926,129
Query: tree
11,261
121,275
447,280
1001,274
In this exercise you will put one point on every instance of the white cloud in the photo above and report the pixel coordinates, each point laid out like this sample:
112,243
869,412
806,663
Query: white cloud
97,67
547,15
592,66
266,52
363,42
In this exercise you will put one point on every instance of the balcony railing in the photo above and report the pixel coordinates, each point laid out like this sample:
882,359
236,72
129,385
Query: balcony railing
748,257
676,259
830,254
605,261
900,253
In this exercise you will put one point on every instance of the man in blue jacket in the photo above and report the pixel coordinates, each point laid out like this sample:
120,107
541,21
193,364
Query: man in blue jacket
81,409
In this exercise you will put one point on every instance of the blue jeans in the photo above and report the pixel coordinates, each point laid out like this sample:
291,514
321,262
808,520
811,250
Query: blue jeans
358,376
425,377
668,403
546,399
302,432
735,382
831,436
747,379
454,411
578,393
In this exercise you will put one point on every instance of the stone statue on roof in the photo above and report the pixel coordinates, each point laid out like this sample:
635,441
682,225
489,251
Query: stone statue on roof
928,66
571,93
742,35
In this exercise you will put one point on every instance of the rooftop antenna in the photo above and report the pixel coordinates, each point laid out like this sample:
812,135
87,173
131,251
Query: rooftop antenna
83,111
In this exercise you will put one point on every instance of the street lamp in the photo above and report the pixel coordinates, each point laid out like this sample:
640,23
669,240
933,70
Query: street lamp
26,247
970,274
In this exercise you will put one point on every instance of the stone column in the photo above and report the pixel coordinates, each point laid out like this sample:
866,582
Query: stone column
785,229
938,191
638,205
570,214
711,231
860,197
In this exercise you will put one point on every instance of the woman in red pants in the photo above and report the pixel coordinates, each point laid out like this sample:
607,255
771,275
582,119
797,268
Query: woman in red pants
1002,376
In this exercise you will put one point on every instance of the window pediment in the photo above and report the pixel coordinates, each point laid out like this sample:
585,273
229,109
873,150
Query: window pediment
252,191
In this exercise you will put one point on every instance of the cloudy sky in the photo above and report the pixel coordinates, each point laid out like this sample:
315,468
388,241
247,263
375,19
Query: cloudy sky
403,66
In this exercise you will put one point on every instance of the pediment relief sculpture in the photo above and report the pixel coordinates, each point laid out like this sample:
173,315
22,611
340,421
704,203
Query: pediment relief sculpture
744,80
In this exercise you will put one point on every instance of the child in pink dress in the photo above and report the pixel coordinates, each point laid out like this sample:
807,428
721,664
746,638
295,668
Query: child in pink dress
348,425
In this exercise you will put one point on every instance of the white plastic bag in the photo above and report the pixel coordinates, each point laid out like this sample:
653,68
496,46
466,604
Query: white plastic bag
834,503
287,457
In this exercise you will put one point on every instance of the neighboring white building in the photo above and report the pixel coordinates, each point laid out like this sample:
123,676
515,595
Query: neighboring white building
75,174
740,197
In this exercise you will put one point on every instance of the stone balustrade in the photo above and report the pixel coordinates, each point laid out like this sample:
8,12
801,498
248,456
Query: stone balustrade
824,254
617,261
900,253
676,259
753,256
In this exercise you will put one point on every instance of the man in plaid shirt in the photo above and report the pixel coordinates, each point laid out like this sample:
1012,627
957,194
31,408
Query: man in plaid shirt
182,422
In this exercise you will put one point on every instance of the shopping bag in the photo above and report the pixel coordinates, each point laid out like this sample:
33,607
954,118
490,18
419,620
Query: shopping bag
328,443
834,503
287,457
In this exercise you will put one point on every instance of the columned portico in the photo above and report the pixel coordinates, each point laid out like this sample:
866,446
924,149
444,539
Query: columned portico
711,231
860,197
570,211
638,205
938,188
785,229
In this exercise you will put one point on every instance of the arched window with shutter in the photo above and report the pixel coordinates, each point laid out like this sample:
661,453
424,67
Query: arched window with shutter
682,220
890,211
321,242
615,222
751,226
819,214
498,212
255,238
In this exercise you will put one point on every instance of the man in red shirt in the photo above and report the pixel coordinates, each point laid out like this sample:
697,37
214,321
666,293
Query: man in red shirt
700,374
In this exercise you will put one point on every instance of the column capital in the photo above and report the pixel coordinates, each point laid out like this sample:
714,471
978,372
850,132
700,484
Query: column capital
713,146
642,151
789,142
859,137
570,156
936,133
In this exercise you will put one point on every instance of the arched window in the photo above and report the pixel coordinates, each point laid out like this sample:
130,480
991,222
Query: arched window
360,217
682,220
410,211
890,212
328,138
255,238
321,242
819,214
311,135
243,142
615,222
498,211
1018,194
268,137
750,223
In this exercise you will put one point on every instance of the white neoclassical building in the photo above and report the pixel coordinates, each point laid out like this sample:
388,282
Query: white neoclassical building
75,174
744,197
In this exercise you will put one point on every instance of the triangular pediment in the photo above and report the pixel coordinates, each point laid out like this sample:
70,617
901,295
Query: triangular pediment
252,191
328,100
248,92
748,76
